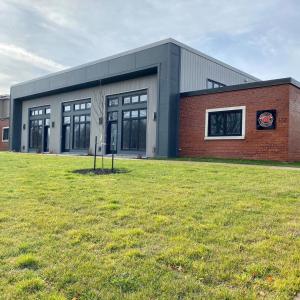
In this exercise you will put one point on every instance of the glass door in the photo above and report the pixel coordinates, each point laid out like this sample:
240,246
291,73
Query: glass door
46,138
112,135
66,138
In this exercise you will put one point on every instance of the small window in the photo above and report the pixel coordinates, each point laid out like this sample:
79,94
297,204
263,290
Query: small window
113,102
47,122
143,113
82,106
40,112
77,106
5,134
88,105
76,119
134,99
87,118
67,108
225,123
134,113
113,116
143,98
67,120
211,84
126,114
48,111
40,122
82,118
126,100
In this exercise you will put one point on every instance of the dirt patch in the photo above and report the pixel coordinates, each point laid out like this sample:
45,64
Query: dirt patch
100,171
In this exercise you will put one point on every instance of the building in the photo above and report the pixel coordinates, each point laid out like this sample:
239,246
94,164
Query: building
164,99
129,101
4,122
259,120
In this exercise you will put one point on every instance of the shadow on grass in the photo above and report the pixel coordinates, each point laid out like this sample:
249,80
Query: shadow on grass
100,171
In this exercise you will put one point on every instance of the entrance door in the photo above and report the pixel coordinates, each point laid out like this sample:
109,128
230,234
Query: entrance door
46,138
112,134
66,140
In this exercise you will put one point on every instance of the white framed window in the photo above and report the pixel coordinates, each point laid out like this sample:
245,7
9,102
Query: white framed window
5,134
227,123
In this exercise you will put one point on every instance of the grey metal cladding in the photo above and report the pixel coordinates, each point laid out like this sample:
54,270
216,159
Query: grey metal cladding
196,69
122,64
98,70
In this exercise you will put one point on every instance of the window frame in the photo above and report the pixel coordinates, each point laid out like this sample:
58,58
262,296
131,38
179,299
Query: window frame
72,113
3,140
226,137
130,119
213,82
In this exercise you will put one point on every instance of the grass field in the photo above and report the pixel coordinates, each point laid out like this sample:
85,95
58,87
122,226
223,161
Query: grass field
164,230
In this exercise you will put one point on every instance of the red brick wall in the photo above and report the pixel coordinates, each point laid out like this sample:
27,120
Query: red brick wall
3,145
294,124
258,144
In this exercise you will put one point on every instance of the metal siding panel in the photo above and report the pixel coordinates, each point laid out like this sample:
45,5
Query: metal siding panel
195,69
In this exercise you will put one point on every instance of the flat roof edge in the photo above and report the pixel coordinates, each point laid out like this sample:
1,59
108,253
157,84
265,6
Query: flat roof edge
244,86
114,56
135,50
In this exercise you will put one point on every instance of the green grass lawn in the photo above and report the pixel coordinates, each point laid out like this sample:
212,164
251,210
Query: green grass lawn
164,230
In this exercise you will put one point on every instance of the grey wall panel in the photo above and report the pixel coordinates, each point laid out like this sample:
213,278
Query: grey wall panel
97,94
195,69
94,72
121,64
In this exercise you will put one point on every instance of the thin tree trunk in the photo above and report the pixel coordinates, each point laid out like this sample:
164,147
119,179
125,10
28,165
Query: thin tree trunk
102,153
95,153
112,162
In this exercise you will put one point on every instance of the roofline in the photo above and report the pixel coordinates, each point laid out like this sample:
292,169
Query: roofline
138,49
245,86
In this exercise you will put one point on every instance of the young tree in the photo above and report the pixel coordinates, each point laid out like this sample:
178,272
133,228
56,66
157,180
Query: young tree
99,113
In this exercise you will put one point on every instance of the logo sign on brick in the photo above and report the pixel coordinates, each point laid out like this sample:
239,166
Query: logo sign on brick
266,119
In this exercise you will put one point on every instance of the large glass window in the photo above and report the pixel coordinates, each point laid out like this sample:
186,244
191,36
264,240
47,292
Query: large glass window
126,122
39,128
225,123
134,129
76,125
36,134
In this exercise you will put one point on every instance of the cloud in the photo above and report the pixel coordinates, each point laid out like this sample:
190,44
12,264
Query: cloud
23,55
261,39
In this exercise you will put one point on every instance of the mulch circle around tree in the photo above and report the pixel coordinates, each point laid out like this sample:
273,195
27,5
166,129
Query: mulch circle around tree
99,171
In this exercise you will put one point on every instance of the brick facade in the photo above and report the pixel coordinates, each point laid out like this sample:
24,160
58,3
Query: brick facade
280,144
3,145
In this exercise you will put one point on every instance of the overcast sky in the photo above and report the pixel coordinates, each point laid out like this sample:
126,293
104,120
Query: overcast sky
38,37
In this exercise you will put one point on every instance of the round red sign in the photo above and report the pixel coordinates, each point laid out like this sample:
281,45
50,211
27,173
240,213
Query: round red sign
265,119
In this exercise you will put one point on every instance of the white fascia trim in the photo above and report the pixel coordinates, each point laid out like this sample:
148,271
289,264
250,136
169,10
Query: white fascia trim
241,137
4,141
